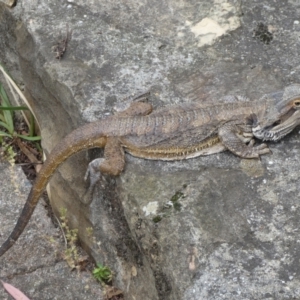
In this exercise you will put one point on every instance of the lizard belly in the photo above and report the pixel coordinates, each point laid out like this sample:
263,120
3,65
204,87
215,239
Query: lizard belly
208,146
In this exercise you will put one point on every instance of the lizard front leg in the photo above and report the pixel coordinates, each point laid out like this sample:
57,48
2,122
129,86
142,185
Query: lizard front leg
135,106
230,133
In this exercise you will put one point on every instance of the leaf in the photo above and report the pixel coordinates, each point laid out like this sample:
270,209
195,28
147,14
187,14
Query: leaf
13,108
14,292
4,96
4,125
26,151
29,138
2,133
8,116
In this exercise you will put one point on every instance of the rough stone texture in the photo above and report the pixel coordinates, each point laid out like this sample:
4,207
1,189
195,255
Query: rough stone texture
231,231
35,265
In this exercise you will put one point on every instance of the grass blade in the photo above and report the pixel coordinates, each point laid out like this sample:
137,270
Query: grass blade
29,138
2,133
13,108
4,125
8,115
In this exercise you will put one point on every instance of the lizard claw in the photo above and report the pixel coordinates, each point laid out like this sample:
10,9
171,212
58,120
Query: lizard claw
94,175
261,150
253,152
251,143
93,171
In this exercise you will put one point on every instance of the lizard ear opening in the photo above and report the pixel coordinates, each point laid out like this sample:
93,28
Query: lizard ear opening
252,120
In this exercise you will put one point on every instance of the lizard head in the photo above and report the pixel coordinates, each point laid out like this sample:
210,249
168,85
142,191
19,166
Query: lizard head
280,116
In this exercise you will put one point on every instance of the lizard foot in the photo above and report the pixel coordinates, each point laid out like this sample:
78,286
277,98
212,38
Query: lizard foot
255,152
94,175
129,101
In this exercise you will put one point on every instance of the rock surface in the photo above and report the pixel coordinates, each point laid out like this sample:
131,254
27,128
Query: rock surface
209,228
35,264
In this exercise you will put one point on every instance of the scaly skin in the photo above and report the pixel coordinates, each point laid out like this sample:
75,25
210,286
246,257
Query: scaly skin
171,133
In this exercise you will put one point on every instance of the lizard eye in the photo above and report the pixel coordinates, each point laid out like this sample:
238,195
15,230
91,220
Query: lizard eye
297,103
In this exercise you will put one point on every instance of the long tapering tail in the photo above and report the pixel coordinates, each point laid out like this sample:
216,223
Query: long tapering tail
85,137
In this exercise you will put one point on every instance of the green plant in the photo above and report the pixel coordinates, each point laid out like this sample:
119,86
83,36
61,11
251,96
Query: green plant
7,120
8,133
71,236
102,273
9,152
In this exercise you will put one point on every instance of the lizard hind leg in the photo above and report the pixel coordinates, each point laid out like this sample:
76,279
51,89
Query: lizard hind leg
111,164
114,158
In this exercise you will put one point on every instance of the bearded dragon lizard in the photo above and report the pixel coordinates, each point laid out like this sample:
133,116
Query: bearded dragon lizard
171,133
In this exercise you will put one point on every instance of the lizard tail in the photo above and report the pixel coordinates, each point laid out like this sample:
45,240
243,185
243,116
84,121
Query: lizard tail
22,222
78,140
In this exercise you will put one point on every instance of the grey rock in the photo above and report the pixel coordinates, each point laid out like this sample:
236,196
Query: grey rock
228,228
35,264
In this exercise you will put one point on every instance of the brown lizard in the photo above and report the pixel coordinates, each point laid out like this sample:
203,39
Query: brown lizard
171,133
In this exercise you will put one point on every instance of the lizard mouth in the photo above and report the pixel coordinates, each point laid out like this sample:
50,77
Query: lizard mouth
278,129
